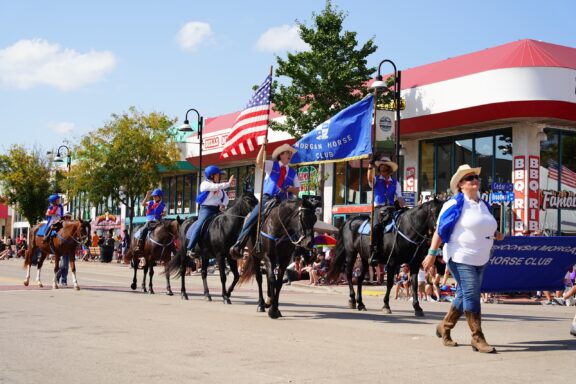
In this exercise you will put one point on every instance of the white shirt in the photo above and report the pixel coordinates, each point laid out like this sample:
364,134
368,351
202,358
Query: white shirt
268,164
472,238
421,276
216,192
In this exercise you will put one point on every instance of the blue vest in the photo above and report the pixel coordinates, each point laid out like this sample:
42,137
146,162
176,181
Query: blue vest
271,182
450,217
156,213
202,196
384,195
60,213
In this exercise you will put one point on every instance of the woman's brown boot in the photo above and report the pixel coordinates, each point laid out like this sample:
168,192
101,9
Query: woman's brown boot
449,322
478,342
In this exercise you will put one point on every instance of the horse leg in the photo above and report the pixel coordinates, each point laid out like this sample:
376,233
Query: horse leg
418,311
205,262
72,264
145,273
183,294
39,269
134,278
349,270
363,271
168,287
151,289
261,304
56,270
234,268
276,285
389,285
222,270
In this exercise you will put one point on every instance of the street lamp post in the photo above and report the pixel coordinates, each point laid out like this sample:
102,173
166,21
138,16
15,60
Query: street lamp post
59,159
379,83
185,127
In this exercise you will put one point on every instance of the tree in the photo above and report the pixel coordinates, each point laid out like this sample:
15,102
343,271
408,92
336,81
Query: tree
25,179
325,79
121,160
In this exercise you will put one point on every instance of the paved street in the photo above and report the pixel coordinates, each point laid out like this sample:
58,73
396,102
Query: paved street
107,333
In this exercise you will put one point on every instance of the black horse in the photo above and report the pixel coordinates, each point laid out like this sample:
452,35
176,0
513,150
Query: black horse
221,233
407,243
287,226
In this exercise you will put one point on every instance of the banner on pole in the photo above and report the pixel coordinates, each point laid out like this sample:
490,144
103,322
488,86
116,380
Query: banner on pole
346,136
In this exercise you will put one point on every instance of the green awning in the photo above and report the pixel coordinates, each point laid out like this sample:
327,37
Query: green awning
180,166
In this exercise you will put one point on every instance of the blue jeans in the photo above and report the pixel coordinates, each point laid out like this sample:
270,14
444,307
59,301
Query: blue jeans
63,272
206,211
252,220
469,279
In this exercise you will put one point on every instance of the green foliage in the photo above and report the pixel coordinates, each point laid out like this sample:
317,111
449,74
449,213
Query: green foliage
25,179
121,159
325,79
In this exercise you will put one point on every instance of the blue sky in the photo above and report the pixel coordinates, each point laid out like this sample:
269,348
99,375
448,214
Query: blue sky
66,66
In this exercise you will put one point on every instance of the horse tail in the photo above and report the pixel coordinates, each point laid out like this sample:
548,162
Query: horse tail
249,269
339,259
173,268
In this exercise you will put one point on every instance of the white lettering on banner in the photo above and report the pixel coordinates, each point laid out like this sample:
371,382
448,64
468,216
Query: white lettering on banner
410,179
336,143
311,146
531,261
518,178
518,204
519,184
519,162
533,192
554,200
535,248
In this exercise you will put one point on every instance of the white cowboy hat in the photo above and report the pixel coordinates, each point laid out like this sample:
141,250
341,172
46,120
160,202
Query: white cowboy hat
386,161
282,148
462,171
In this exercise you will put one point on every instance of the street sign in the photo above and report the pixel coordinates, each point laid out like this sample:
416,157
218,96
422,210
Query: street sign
501,197
409,198
502,187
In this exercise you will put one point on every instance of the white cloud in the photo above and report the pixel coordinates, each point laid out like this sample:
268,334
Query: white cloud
192,34
283,38
30,63
61,127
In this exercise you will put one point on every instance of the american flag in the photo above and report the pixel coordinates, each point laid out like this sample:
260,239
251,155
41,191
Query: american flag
251,123
568,176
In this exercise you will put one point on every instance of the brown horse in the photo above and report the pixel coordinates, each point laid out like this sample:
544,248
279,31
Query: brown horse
161,242
72,234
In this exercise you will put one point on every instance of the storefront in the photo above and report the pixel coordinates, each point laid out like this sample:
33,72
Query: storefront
510,109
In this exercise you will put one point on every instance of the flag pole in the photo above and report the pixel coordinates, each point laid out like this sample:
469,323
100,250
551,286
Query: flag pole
373,170
259,222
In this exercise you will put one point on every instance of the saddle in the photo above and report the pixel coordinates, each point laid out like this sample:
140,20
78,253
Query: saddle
203,230
389,223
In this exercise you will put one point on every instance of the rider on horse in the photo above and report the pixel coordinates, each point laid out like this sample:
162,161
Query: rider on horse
54,215
155,210
210,199
281,181
387,193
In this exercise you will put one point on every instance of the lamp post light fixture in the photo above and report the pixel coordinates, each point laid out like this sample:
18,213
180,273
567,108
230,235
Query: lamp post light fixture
379,83
59,159
185,127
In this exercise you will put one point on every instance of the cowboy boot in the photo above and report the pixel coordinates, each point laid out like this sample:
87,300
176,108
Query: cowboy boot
237,250
448,323
376,256
478,342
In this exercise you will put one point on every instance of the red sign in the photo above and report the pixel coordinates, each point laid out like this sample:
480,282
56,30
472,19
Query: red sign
519,180
410,179
211,142
533,197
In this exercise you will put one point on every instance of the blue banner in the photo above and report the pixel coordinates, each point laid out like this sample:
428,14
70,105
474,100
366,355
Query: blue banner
529,264
346,136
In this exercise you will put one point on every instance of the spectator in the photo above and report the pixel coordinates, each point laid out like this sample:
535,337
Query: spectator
295,271
422,284
403,280
126,241
95,239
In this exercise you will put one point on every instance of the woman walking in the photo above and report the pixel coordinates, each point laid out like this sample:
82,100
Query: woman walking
468,230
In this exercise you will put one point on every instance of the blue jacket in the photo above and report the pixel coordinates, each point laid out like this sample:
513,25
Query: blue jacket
270,184
450,217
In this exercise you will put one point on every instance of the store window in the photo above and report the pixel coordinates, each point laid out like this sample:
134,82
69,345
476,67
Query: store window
558,183
179,194
350,183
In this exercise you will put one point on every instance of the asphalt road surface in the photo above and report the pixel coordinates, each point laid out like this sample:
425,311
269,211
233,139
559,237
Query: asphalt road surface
105,333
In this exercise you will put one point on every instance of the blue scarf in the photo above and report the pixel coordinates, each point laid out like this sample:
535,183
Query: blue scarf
450,217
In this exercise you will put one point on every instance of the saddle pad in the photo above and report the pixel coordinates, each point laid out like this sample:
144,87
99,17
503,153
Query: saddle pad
203,230
41,231
364,228
137,233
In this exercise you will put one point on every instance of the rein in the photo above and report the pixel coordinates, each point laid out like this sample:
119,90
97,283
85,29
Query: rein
286,232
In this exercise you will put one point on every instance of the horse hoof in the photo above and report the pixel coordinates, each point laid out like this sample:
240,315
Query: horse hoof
26,283
387,311
184,296
152,292
133,286
208,298
40,285
226,300
419,313
76,287
361,307
351,304
55,286
274,314
169,293
260,309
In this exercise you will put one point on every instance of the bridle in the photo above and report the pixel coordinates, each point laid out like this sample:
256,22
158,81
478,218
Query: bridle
301,212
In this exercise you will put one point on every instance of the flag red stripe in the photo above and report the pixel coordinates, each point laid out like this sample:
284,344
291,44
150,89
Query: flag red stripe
238,129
